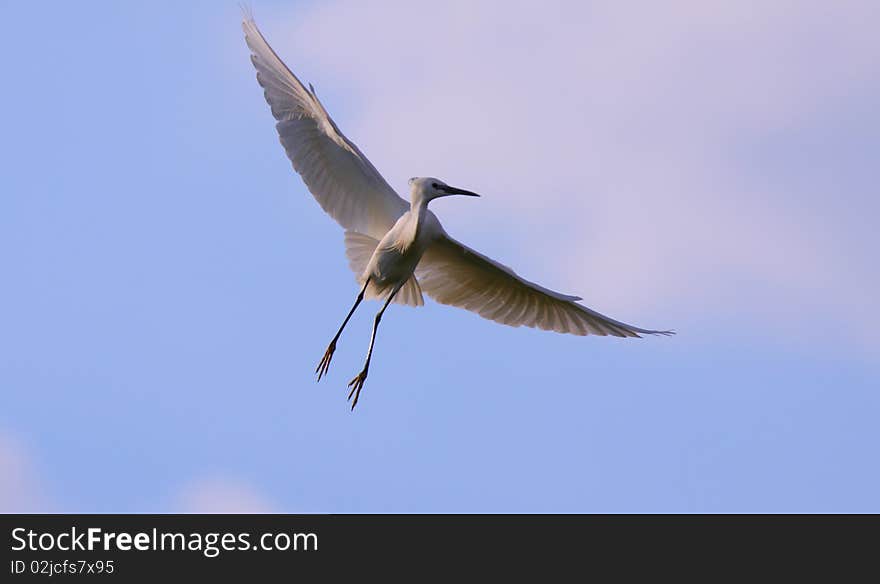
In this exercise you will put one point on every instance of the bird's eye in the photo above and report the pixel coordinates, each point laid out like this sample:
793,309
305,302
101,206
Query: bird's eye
434,185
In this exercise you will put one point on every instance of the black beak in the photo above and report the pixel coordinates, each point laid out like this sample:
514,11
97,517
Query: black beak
455,191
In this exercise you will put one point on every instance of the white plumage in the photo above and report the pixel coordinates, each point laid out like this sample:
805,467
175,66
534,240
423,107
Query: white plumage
396,249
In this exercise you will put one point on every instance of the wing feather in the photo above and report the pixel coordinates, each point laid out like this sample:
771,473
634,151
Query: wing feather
452,273
346,185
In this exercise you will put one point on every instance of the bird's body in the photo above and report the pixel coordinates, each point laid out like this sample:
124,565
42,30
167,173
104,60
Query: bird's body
398,250
393,262
398,253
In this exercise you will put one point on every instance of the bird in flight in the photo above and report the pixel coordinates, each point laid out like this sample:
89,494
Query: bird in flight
399,250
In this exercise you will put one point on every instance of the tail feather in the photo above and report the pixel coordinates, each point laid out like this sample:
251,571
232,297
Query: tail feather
359,249
410,294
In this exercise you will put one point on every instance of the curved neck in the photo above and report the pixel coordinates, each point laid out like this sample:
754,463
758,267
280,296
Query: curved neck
418,207
418,200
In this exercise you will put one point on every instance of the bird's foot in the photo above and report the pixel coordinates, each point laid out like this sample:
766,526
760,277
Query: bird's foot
324,365
356,385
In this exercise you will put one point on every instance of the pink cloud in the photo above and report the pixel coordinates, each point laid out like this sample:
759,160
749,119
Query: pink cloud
20,489
221,495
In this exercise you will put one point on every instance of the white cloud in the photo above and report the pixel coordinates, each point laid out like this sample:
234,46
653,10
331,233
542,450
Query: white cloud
221,495
615,131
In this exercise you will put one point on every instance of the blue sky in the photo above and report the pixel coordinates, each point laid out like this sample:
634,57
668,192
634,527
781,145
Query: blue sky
169,285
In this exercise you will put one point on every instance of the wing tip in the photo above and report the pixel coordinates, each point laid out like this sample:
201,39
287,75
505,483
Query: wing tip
626,331
247,13
631,333
668,333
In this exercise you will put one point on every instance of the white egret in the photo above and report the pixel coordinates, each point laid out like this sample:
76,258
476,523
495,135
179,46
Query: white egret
396,249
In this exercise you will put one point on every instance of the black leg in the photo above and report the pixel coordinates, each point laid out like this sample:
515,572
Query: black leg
358,382
324,365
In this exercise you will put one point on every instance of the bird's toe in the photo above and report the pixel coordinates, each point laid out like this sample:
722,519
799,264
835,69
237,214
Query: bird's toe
324,365
356,385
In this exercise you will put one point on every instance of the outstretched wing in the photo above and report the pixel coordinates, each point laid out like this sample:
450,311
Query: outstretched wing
452,273
346,185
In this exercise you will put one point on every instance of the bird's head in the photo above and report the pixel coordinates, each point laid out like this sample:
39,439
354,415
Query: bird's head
427,188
